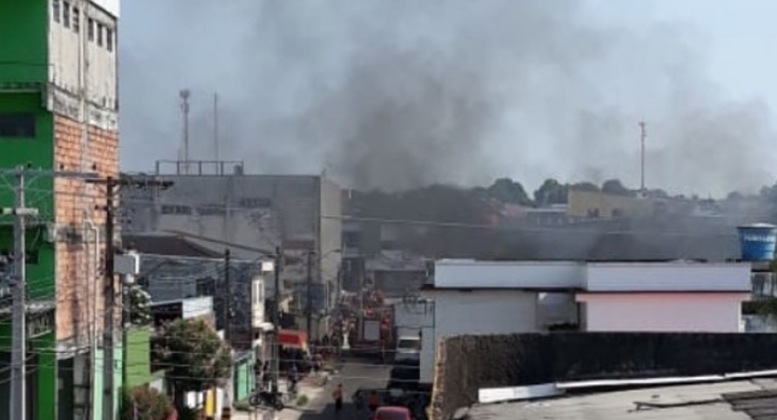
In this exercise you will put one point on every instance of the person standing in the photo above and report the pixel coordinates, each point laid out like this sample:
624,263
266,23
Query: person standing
374,402
337,394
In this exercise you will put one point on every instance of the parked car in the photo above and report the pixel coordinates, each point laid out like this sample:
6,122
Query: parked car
392,413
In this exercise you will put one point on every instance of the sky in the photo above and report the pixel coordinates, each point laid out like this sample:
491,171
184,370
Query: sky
398,96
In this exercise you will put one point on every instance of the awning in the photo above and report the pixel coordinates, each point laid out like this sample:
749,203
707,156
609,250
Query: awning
292,338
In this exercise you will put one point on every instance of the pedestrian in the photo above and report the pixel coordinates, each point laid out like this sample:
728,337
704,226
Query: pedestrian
338,397
266,375
293,378
374,402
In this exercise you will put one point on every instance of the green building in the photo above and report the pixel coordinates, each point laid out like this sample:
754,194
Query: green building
58,111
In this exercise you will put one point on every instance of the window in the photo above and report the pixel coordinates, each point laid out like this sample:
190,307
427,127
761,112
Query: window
76,20
17,125
100,28
254,203
90,28
56,10
109,38
211,210
173,209
66,14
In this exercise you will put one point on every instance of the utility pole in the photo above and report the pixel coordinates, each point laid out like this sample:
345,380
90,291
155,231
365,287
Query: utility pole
110,304
643,136
227,298
19,285
276,318
109,329
309,311
360,315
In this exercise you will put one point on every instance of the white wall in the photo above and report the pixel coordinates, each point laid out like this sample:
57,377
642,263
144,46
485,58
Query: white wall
677,276
508,274
680,312
70,51
413,316
477,312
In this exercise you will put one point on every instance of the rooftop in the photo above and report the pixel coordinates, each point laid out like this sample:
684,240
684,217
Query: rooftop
166,244
735,400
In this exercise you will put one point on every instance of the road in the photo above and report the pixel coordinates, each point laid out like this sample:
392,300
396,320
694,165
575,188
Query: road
354,374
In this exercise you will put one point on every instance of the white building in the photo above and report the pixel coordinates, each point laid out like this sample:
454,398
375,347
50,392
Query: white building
501,297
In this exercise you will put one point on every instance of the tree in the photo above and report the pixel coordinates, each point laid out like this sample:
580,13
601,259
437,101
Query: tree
144,403
508,191
551,192
585,186
140,305
193,356
615,187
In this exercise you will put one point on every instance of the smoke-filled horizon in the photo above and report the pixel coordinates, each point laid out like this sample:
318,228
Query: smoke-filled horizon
400,94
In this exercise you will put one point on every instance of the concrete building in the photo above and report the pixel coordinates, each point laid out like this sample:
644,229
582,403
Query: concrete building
58,110
508,297
599,205
259,212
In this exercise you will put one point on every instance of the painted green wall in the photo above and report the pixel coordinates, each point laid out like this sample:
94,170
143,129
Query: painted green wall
138,357
243,377
47,376
24,49
97,388
37,152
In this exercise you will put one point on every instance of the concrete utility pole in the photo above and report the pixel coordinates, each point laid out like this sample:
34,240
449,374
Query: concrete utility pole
276,319
19,285
309,306
227,298
109,329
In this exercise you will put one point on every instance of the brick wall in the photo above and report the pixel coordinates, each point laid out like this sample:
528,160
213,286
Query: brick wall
78,282
468,363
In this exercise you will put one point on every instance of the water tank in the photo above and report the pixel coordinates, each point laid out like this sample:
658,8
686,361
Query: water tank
757,241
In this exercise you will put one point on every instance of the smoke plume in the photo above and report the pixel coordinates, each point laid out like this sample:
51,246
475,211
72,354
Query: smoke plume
398,94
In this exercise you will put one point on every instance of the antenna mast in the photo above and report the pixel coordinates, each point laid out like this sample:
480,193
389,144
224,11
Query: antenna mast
643,136
185,94
216,126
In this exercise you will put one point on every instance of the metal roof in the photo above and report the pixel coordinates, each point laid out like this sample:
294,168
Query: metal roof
734,400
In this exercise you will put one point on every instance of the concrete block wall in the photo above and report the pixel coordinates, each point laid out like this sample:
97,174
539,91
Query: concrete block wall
78,279
467,363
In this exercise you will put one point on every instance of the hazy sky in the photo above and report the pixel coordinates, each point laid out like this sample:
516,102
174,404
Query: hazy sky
393,94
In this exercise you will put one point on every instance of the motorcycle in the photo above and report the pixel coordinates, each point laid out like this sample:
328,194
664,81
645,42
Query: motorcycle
265,398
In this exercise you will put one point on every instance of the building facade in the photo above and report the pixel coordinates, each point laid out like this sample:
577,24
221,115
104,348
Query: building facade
510,297
258,212
58,111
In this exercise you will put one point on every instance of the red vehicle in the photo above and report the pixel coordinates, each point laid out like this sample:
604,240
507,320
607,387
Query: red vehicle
392,413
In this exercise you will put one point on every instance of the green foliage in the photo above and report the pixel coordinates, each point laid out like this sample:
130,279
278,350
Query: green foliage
140,306
508,191
615,187
144,403
302,400
551,192
193,356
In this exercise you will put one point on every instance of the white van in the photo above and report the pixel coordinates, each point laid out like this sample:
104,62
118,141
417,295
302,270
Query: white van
408,349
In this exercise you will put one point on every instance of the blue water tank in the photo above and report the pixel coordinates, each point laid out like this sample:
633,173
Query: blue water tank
757,241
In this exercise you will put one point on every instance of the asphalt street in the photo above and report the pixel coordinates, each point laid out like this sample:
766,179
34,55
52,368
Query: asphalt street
353,374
